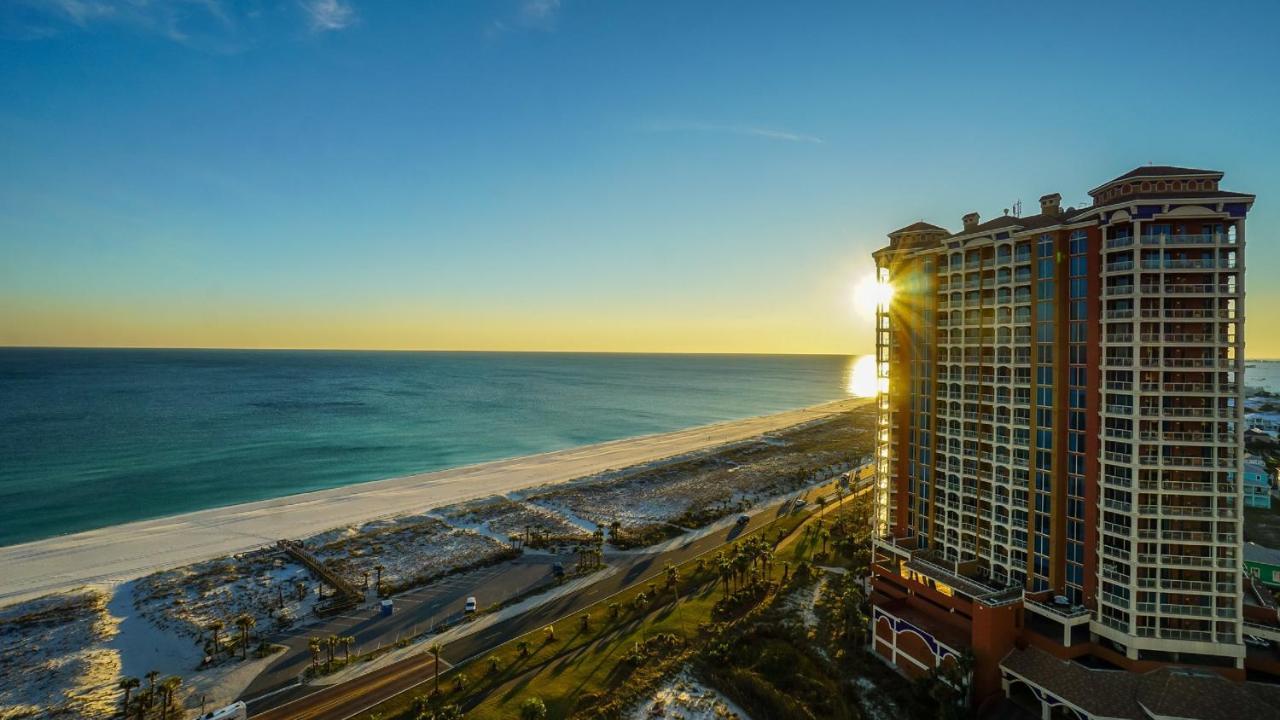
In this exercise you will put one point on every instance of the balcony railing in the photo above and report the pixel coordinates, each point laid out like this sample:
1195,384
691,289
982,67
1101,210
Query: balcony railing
1188,289
1196,239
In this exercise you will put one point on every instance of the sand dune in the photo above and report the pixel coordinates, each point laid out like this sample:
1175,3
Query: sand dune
124,552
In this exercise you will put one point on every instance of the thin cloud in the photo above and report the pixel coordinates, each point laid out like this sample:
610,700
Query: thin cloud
82,12
222,26
539,15
328,15
539,10
743,130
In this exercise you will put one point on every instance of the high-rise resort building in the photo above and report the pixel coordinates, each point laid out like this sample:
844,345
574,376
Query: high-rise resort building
1058,497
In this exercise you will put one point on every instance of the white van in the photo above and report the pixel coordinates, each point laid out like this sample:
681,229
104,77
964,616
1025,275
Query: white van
234,711
471,605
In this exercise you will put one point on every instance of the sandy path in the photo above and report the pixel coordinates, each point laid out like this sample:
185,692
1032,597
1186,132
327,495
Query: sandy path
124,552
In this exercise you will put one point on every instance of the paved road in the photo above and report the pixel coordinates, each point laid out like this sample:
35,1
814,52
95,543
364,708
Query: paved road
339,702
348,698
415,612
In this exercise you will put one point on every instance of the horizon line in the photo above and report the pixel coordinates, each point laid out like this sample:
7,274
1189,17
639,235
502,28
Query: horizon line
421,350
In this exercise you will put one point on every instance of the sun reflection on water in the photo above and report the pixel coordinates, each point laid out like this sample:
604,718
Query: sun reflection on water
860,380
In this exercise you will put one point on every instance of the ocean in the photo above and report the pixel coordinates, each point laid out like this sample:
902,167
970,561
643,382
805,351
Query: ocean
91,438
1262,375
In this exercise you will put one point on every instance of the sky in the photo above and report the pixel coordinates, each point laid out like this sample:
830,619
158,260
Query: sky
572,174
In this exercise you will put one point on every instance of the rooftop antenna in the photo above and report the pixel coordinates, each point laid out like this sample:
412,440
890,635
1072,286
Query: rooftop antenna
1017,208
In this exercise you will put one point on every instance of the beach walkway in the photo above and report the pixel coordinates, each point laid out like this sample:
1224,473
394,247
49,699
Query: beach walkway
125,552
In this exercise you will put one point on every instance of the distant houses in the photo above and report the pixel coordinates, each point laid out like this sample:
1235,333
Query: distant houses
1262,563
1267,422
1257,483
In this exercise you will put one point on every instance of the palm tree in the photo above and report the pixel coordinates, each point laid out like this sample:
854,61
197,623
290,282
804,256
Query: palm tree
331,644
740,564
347,642
435,650
314,645
378,569
726,574
673,576
216,627
245,621
170,687
127,684
151,685
825,536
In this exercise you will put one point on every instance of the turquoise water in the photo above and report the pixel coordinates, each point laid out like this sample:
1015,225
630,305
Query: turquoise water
91,438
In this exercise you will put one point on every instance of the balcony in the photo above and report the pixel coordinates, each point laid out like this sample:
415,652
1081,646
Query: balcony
1179,585
1187,264
1184,338
1189,289
1196,239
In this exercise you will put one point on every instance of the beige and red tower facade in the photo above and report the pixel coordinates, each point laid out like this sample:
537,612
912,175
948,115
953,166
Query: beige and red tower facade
1060,448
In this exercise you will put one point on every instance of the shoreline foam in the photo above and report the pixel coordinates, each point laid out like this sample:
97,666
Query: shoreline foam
123,552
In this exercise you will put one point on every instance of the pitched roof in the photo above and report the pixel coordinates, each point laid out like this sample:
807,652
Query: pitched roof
1180,194
1167,692
1164,171
1027,222
1254,552
921,226
1158,171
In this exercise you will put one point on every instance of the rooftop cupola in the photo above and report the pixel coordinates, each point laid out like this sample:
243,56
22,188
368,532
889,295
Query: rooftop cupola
970,221
1051,204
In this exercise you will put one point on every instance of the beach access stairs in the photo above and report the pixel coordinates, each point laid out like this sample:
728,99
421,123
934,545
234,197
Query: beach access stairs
346,595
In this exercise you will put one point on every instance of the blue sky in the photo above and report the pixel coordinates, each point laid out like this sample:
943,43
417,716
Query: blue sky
533,174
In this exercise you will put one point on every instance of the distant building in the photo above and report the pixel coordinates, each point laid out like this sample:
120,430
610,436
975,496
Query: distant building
1268,422
1257,483
1060,449
1262,563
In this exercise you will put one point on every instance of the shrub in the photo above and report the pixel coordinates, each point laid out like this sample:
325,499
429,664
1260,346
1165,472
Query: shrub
533,709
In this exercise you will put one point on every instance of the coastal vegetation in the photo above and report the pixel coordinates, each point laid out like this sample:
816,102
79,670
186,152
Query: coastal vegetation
52,663
405,552
763,623
655,502
207,619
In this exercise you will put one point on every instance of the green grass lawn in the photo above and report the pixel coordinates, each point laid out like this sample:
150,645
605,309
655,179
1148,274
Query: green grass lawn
581,667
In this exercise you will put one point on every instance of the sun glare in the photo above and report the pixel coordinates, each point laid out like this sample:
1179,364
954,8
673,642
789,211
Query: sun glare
862,377
870,294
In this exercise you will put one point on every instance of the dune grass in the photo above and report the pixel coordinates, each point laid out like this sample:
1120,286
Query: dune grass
585,668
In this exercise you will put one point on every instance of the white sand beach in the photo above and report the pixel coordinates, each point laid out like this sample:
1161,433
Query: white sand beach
124,552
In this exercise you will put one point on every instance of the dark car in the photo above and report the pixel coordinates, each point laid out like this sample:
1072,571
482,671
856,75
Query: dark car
744,519
558,569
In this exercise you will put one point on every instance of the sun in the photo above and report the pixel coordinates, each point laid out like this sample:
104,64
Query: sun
870,294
